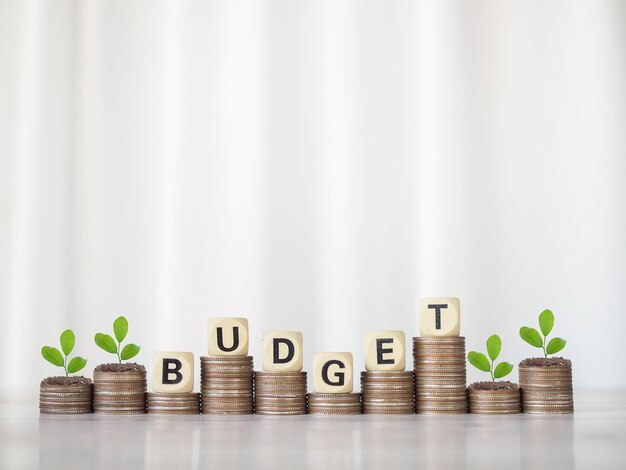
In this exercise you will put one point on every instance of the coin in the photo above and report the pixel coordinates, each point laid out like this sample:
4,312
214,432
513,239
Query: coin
546,388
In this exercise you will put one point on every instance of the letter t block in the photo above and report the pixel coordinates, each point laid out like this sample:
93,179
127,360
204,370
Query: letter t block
440,316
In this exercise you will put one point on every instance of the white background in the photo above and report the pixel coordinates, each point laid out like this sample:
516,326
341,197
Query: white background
312,165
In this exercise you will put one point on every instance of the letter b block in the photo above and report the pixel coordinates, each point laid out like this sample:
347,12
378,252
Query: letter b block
282,351
228,336
172,372
440,316
385,350
333,372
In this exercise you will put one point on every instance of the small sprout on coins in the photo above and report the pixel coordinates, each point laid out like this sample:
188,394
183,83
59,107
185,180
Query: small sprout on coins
532,336
480,361
54,356
106,342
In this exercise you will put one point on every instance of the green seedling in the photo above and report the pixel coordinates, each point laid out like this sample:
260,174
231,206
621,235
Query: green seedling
54,356
480,361
106,342
532,336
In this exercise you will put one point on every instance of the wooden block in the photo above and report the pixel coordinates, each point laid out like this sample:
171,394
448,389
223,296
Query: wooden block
385,350
333,372
440,316
172,372
228,336
282,351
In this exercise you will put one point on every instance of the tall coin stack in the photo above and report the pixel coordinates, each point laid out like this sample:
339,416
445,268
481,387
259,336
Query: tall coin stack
439,365
173,403
65,395
280,393
226,384
388,392
546,386
119,389
334,403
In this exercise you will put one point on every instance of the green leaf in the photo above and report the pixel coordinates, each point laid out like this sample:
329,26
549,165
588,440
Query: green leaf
479,360
546,322
53,356
120,328
106,342
76,364
502,370
555,345
531,336
67,341
129,351
494,346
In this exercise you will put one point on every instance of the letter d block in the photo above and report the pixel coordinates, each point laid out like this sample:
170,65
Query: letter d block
282,351
440,316
228,336
333,372
385,350
172,372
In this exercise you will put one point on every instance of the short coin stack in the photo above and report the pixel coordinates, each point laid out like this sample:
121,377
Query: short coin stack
494,398
334,403
226,385
65,395
119,389
547,386
390,392
174,403
439,365
280,393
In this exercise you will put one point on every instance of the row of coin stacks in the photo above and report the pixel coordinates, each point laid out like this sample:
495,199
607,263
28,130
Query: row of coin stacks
229,384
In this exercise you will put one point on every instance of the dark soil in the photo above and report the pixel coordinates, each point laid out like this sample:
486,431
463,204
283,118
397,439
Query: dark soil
493,386
120,368
68,381
546,362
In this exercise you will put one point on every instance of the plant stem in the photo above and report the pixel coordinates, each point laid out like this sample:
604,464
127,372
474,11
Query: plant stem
491,372
545,354
118,353
65,366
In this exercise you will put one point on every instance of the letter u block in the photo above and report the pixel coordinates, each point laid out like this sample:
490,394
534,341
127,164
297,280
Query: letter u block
282,351
333,372
228,336
440,316
172,372
385,350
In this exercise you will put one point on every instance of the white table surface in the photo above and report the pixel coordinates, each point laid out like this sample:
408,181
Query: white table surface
594,437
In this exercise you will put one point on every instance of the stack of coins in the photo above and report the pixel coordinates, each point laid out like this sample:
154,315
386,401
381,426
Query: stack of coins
119,393
63,395
173,403
439,365
495,401
334,403
226,385
280,393
547,389
388,392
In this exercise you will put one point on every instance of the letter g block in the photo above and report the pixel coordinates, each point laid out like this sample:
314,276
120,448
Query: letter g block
282,351
333,372
228,336
172,372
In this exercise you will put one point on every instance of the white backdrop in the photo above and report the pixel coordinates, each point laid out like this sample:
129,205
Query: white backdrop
312,165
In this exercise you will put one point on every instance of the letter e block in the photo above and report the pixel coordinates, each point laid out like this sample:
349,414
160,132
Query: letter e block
333,372
228,336
440,316
385,350
172,372
282,351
